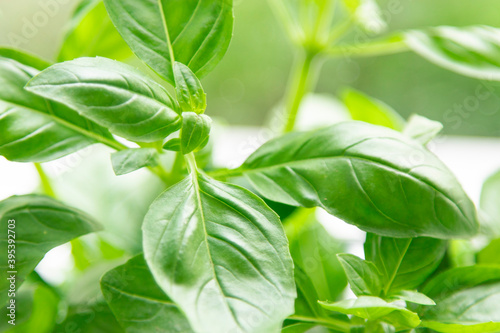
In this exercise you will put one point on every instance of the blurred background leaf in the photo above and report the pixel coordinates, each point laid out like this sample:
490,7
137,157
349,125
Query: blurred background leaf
252,78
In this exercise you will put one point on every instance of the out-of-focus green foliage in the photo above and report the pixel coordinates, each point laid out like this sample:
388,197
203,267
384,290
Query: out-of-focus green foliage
252,78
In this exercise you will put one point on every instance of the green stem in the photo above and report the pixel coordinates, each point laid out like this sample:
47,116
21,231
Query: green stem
178,165
340,30
191,163
160,171
335,324
396,269
45,181
282,13
167,34
302,82
225,173
367,50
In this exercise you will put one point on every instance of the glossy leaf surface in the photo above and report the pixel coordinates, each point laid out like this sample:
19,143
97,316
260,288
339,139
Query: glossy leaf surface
472,51
306,303
173,144
33,128
460,278
370,110
24,58
197,32
41,223
413,297
195,132
90,318
489,204
91,33
471,310
37,309
137,301
364,278
129,160
221,254
422,129
318,273
188,88
113,95
373,308
404,262
369,176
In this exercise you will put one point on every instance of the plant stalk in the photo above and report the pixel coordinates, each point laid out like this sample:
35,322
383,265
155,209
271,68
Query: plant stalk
225,173
367,50
302,82
178,165
191,163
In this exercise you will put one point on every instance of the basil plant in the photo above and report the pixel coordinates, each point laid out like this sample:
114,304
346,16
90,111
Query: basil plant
196,248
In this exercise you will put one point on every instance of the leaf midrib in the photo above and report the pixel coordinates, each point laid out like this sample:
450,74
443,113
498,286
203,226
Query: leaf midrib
396,269
167,36
322,158
95,136
196,187
150,299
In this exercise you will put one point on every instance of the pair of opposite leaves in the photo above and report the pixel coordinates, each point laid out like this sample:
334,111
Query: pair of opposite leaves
337,151
448,207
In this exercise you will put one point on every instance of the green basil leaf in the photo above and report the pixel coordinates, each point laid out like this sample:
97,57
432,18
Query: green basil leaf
405,263
24,58
197,32
391,44
491,327
318,273
490,254
460,278
471,310
370,110
364,278
35,129
91,33
93,318
306,303
374,308
173,145
37,310
413,296
221,255
369,176
113,95
40,224
190,93
137,301
490,197
471,51
130,160
297,328
195,132
422,129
